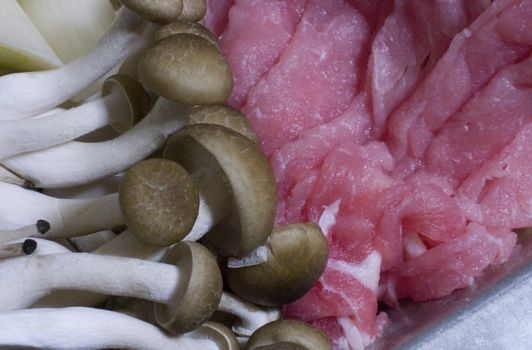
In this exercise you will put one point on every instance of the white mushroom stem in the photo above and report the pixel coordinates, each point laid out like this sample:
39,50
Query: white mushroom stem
31,277
30,93
11,178
92,241
49,217
23,247
215,202
77,163
85,328
79,217
251,317
21,136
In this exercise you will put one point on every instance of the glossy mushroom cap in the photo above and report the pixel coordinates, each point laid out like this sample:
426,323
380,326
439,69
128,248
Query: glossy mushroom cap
297,257
193,10
248,175
186,68
159,201
157,11
200,289
184,27
222,115
137,98
224,338
288,335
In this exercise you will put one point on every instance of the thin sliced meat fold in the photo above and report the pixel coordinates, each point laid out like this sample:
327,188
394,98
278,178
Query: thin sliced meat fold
408,46
315,77
217,15
257,32
448,266
500,192
475,55
488,122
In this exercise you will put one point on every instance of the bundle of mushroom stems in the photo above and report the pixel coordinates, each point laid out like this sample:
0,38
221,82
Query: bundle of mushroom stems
160,234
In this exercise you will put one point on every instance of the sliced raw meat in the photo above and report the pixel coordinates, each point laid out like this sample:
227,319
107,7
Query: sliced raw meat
448,266
425,210
489,121
316,75
298,157
216,16
409,44
474,56
256,34
500,192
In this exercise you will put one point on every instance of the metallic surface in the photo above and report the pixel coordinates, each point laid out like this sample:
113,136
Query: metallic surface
493,314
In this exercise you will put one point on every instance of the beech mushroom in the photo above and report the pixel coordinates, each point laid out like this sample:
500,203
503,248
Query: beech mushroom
18,248
157,200
185,27
250,317
157,11
248,179
297,255
124,103
187,68
217,332
193,10
29,246
288,334
186,288
86,328
183,68
30,93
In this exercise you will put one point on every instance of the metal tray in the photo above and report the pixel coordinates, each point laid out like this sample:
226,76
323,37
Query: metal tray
494,314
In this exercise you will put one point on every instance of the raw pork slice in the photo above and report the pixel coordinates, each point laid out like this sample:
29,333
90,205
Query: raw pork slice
474,57
408,45
500,192
216,16
495,115
256,34
316,75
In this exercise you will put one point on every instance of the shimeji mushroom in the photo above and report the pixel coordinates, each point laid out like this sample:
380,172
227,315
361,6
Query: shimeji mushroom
288,334
215,331
248,178
184,27
30,93
193,10
182,67
18,248
124,103
187,287
297,255
86,328
157,200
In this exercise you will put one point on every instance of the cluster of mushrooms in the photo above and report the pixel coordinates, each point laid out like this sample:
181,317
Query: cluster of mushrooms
184,254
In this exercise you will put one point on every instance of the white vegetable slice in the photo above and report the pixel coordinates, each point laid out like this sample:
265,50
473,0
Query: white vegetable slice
21,45
71,28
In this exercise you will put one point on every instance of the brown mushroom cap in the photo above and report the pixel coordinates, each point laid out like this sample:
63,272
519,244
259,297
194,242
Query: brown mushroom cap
186,68
247,173
193,10
159,201
138,99
288,335
224,338
198,295
222,115
157,11
297,256
184,27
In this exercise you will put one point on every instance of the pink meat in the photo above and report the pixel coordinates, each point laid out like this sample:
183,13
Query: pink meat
409,44
447,267
500,192
495,115
216,16
474,57
315,77
256,34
